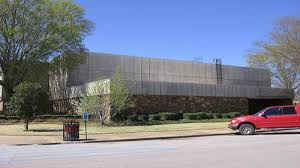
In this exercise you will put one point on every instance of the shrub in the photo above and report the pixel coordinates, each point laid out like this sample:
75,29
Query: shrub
231,115
13,118
28,100
235,114
227,115
154,117
3,117
170,116
143,117
210,116
198,116
180,115
219,115
133,118
203,116
191,116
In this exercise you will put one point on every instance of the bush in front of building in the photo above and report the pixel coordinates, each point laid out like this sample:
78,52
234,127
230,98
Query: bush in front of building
170,116
231,114
191,116
143,117
205,116
133,118
226,115
198,116
154,117
219,116
3,117
210,116
137,119
235,114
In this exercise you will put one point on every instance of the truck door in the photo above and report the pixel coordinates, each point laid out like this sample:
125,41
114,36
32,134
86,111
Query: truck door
272,118
289,117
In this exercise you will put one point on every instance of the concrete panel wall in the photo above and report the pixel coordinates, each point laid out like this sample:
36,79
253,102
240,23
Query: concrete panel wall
162,70
191,89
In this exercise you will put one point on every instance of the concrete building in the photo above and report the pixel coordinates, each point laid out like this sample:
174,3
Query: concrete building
163,85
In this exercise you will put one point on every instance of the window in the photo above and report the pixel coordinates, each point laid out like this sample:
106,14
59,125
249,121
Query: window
273,112
288,111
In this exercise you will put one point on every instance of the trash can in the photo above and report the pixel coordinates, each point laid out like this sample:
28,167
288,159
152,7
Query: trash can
71,130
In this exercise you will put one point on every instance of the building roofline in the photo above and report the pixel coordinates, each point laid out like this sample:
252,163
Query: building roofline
168,59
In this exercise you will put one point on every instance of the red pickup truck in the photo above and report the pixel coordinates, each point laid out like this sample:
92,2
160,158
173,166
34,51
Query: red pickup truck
271,117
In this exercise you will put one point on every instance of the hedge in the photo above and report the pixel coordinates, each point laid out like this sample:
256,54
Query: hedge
143,117
170,116
198,116
231,114
154,117
191,116
3,117
133,118
219,115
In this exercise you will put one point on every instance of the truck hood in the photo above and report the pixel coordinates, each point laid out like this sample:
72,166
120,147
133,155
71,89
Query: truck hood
247,117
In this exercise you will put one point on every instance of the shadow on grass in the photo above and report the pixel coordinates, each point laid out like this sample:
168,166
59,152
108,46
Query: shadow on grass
45,130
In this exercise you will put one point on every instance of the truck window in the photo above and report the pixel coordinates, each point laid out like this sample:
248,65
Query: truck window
289,111
273,112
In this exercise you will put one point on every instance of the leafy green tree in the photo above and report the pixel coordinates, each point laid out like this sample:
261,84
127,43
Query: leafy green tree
95,102
28,100
106,98
120,97
36,32
280,53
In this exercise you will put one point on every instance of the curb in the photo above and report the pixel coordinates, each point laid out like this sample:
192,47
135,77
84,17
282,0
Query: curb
128,140
158,138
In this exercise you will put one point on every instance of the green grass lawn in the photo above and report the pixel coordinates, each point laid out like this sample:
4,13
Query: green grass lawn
55,128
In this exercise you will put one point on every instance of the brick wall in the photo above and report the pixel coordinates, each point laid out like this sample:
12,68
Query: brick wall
156,103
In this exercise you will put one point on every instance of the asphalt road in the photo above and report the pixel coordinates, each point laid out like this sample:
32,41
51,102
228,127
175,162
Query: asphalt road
266,150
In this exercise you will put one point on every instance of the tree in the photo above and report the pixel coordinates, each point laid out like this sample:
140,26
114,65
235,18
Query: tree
60,92
39,32
106,98
280,54
28,101
120,97
95,101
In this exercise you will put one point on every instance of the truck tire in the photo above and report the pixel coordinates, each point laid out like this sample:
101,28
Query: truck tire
246,129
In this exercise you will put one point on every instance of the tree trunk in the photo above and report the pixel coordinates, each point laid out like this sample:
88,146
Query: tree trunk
26,124
7,93
101,119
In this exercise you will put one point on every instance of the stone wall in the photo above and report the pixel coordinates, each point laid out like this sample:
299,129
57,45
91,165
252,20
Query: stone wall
157,103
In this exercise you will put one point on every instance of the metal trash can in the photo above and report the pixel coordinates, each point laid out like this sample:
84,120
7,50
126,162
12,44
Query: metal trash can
71,130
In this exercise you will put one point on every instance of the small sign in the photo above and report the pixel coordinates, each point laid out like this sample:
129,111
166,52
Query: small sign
85,116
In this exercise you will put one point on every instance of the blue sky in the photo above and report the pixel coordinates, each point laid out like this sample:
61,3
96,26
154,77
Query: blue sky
183,29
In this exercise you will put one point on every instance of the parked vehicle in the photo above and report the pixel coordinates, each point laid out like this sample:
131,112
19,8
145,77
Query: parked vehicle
271,117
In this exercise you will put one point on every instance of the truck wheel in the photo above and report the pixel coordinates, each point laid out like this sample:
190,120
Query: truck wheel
246,129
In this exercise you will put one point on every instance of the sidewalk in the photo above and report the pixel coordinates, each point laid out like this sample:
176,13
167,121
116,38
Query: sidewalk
48,140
